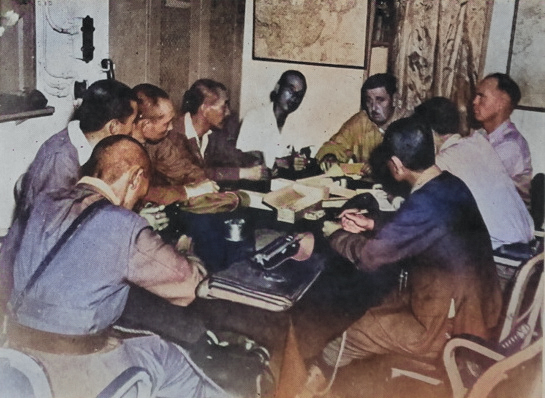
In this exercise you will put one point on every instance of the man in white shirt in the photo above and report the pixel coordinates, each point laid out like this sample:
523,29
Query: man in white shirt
265,128
475,162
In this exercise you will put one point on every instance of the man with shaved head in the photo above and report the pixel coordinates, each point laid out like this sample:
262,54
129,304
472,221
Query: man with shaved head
63,315
108,107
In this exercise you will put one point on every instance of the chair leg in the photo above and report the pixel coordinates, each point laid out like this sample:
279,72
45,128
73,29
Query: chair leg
498,372
451,367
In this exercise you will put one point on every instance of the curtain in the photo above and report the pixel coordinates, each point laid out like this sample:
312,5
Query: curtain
439,50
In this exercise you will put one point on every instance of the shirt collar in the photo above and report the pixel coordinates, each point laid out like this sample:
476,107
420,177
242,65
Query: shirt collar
204,142
452,140
77,138
500,131
190,132
103,188
426,176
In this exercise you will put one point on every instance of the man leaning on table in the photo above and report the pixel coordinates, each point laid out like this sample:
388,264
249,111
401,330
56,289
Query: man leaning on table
174,177
62,316
439,236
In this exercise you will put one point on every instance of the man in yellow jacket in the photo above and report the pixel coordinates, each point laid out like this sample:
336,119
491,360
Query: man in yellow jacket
360,134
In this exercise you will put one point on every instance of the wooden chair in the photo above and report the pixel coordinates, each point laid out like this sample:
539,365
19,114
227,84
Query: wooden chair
500,372
520,329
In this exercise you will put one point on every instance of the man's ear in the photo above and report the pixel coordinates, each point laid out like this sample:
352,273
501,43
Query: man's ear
396,166
111,126
136,177
203,108
504,103
115,125
131,187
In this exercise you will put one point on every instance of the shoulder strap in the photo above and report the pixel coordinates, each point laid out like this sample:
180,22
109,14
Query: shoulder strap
88,211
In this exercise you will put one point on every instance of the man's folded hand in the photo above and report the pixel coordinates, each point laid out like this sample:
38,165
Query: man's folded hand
328,161
201,188
330,227
155,216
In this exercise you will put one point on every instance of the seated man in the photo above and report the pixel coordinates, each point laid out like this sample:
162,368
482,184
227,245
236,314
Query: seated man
201,134
175,176
474,161
225,162
363,132
496,98
179,173
63,308
441,240
265,128
108,108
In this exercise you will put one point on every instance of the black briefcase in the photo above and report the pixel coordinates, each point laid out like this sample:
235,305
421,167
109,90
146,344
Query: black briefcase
272,278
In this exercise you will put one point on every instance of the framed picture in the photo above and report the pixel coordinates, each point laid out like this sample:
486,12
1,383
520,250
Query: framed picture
526,61
315,32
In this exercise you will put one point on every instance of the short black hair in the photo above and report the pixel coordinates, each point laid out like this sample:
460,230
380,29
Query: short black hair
380,173
507,85
386,80
148,96
284,79
411,140
152,92
103,101
441,114
198,92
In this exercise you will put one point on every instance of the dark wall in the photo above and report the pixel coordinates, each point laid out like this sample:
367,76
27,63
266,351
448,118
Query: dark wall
171,46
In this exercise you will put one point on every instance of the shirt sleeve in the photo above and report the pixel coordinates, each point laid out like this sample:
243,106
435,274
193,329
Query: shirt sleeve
154,262
412,230
51,174
340,144
356,138
512,157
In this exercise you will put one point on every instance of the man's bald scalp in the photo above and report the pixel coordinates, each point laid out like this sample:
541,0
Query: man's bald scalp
115,155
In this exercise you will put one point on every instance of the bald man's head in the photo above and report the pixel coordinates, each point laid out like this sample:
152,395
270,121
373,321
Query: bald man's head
115,155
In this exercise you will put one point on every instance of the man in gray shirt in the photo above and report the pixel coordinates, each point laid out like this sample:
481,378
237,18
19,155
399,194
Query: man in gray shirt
63,319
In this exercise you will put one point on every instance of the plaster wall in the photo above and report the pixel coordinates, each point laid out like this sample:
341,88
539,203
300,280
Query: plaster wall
530,124
58,67
332,93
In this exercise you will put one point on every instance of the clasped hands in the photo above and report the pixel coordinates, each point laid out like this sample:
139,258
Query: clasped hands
155,216
351,220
